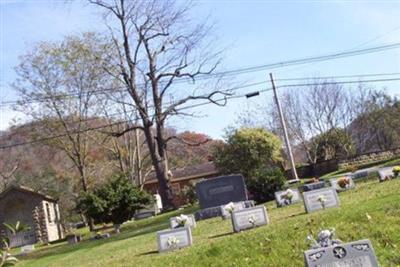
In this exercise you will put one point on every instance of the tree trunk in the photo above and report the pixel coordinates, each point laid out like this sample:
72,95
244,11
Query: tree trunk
159,164
85,189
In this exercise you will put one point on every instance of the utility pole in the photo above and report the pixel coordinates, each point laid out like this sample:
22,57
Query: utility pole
289,149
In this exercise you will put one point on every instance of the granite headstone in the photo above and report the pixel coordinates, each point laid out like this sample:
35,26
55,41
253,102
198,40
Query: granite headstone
355,254
221,190
174,239
320,199
249,218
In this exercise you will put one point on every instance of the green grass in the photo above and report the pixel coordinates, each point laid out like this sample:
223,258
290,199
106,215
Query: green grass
281,243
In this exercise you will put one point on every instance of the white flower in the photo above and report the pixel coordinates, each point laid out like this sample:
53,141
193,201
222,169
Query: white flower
289,193
324,234
172,242
321,198
252,220
230,207
182,219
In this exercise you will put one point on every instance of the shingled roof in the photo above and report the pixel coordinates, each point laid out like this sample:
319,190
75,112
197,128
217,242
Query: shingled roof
28,190
190,172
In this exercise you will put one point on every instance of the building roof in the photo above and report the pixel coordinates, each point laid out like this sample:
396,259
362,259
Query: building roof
28,190
190,172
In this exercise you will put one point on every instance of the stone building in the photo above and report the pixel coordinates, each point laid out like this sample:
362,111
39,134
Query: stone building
38,211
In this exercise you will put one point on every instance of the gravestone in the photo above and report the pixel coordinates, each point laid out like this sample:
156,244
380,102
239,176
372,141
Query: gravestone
249,218
281,201
312,186
342,185
358,175
313,199
385,174
221,190
237,206
168,240
212,193
354,254
27,248
191,222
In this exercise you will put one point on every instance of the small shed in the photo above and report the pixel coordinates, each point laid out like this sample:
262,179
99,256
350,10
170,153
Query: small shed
39,211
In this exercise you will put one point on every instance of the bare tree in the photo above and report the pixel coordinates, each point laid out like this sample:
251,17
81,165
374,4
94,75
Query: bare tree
57,84
158,47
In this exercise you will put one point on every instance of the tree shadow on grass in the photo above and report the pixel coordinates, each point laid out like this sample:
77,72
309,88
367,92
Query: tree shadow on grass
129,231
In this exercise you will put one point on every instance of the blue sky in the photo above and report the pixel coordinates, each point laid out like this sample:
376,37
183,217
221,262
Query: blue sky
254,32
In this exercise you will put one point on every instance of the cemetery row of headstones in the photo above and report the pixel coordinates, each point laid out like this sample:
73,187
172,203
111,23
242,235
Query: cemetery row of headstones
226,197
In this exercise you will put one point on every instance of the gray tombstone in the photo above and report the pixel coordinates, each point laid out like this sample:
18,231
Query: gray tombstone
355,254
220,191
281,201
342,186
237,206
174,239
385,174
313,186
249,218
191,222
312,199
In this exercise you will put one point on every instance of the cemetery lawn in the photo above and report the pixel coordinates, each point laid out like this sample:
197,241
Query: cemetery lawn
371,211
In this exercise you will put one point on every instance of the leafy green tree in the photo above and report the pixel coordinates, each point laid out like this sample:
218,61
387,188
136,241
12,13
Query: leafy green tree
116,201
264,183
247,150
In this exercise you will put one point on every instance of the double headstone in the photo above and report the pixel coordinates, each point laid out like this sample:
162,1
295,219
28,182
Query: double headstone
354,254
174,239
215,192
320,199
249,218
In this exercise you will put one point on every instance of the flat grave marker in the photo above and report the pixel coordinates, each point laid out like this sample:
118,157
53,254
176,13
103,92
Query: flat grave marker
320,199
249,218
173,239
282,198
354,254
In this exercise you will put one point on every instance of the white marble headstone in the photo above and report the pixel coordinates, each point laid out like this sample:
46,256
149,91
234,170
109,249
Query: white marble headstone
249,218
355,254
312,203
174,239
237,206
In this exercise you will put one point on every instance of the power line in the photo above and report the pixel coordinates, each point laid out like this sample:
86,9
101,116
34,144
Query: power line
347,53
193,106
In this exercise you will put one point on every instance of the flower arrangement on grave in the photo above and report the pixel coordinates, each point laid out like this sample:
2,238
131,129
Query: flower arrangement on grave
325,238
182,220
252,221
287,196
322,199
172,242
396,171
230,207
343,182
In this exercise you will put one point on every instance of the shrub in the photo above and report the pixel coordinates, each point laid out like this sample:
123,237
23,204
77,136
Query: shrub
263,184
189,192
116,201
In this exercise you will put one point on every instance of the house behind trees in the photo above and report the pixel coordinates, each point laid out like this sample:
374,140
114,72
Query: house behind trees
38,211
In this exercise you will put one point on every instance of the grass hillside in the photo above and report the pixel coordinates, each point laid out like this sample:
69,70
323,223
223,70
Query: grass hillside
281,243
